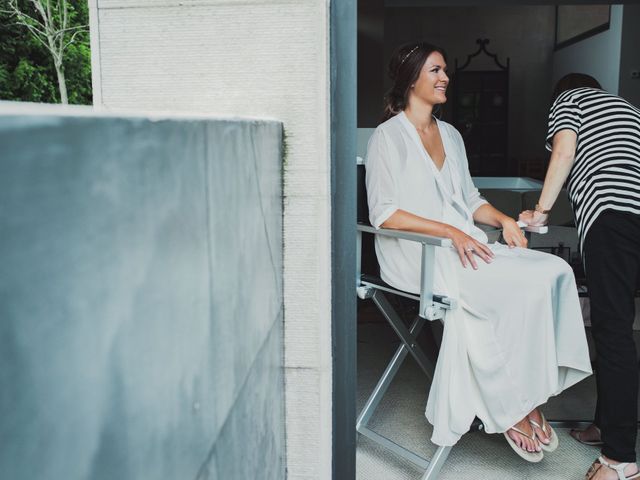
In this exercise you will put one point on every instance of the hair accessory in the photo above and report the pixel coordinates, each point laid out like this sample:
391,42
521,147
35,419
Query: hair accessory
407,55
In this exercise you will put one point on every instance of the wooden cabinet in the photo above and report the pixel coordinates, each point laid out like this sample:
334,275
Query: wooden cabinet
481,114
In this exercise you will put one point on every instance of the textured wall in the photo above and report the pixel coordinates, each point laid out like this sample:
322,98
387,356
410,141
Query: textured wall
140,297
598,55
260,58
629,59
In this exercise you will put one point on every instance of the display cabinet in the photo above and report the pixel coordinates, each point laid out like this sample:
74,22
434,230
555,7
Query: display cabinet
481,113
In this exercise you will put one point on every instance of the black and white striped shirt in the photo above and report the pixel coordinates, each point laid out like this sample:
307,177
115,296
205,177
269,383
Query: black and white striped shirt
606,171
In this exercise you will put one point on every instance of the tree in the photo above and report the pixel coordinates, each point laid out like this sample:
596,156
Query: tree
59,28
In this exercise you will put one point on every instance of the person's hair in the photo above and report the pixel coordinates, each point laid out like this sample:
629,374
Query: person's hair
404,70
571,81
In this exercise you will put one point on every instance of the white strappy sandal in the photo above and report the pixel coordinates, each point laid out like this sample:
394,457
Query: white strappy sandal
532,457
550,433
619,469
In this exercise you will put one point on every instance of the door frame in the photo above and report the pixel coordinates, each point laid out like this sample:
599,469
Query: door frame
343,80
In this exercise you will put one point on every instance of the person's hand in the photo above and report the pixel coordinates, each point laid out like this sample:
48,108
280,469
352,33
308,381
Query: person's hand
512,234
467,247
533,218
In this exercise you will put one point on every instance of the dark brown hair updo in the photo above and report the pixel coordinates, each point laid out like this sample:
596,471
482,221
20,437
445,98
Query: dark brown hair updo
574,80
404,70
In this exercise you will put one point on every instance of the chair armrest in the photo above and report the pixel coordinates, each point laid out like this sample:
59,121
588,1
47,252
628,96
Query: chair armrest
415,237
542,229
527,228
430,307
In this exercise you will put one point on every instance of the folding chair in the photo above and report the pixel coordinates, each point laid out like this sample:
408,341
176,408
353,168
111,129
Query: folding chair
432,306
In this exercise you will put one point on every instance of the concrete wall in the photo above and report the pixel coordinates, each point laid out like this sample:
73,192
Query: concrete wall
598,56
140,297
629,59
249,57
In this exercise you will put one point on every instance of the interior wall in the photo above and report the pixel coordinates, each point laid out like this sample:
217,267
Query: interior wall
371,62
629,58
598,56
525,34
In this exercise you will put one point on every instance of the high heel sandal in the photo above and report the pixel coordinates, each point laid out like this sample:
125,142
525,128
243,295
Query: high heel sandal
619,469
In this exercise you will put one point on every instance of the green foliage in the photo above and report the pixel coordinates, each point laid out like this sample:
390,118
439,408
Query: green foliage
27,72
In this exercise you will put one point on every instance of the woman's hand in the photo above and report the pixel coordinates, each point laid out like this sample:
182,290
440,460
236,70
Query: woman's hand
512,234
533,218
467,247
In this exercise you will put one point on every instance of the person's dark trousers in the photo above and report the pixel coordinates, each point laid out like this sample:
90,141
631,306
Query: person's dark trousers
612,261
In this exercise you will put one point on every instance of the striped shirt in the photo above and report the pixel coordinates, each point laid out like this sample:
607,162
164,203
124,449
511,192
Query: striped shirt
606,171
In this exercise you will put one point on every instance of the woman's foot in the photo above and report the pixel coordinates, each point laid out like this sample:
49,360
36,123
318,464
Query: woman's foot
527,442
540,426
605,469
588,436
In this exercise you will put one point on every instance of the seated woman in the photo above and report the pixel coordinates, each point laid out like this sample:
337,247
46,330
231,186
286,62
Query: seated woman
517,336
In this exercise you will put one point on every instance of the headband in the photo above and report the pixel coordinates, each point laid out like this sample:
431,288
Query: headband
407,55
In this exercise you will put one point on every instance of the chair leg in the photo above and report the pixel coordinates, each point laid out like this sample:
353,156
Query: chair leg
436,463
387,377
409,344
405,335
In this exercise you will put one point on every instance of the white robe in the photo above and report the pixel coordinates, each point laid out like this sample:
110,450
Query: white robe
517,336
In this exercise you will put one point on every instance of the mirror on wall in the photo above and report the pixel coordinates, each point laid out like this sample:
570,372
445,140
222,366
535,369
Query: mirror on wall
578,22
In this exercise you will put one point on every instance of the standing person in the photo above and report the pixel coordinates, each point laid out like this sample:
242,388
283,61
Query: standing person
594,138
510,343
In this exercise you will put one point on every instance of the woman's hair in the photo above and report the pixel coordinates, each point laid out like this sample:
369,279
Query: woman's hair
571,81
404,69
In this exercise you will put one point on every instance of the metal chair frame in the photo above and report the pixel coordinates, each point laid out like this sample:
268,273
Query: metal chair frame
432,307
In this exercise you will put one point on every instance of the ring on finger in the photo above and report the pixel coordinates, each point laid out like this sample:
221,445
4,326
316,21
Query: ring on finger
469,249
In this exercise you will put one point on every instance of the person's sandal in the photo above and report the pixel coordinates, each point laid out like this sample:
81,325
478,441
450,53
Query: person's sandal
619,469
550,433
577,434
532,457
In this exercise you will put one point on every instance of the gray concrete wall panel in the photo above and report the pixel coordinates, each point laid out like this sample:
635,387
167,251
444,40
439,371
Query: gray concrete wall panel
140,298
252,450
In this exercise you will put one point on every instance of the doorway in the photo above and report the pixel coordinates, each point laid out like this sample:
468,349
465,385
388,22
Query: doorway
384,24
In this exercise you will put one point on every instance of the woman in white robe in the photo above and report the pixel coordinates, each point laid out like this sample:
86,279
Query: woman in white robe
517,336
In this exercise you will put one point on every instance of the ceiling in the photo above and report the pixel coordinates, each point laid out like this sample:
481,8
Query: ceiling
451,3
